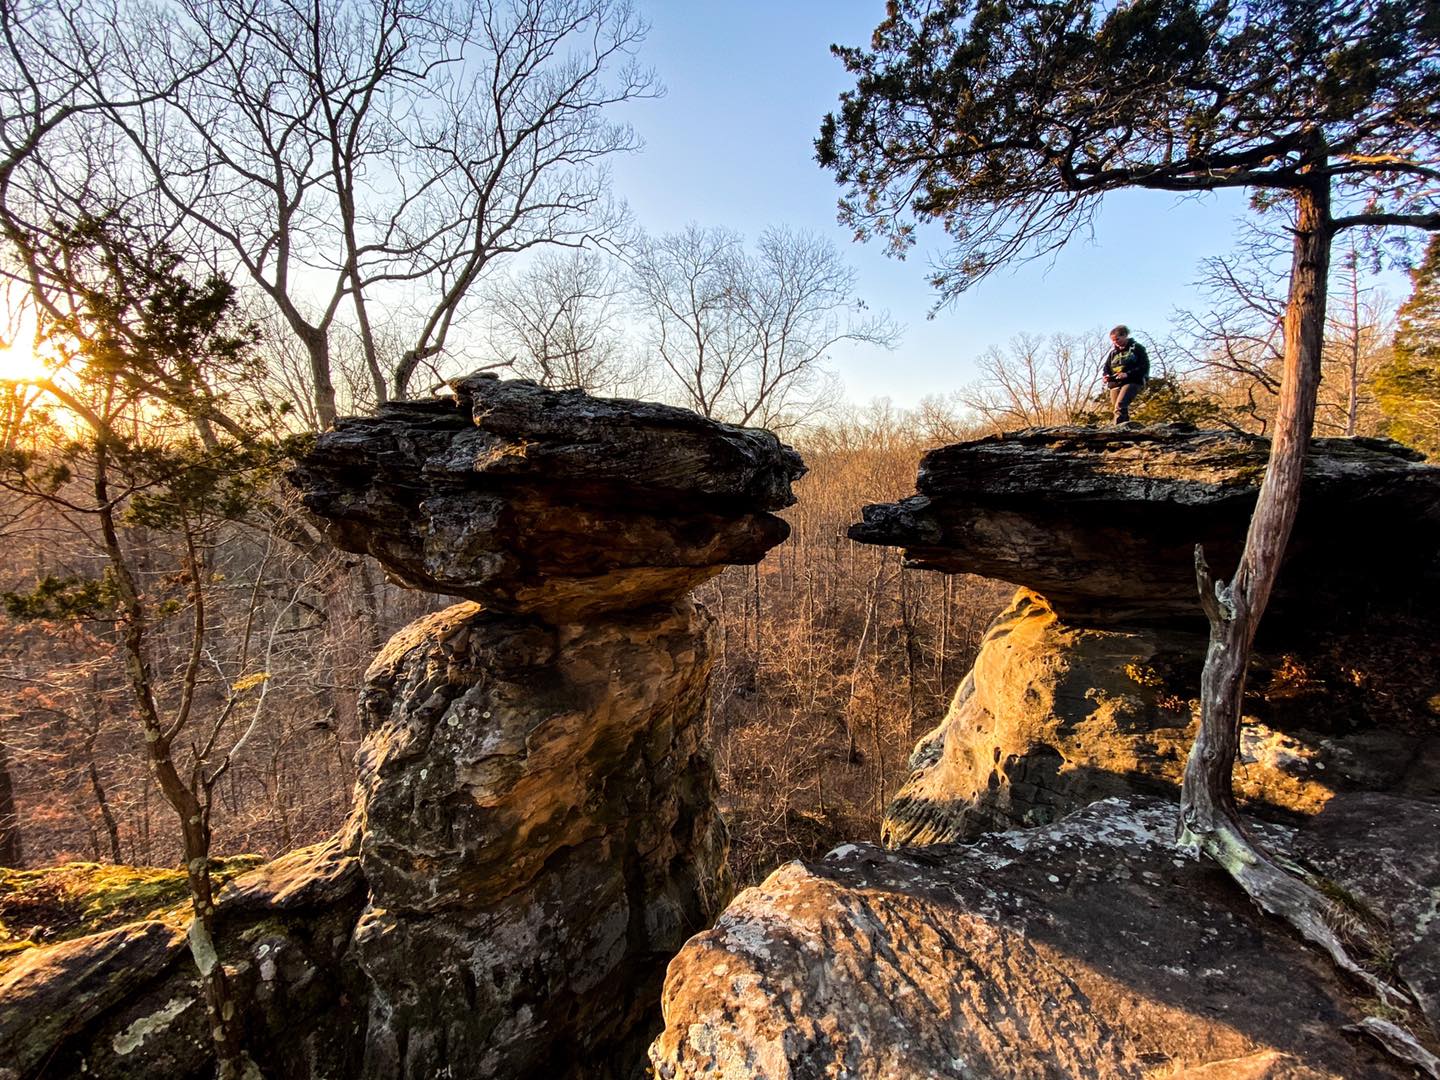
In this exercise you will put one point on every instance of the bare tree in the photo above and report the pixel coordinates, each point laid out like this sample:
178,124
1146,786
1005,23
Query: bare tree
1035,381
64,66
1235,342
744,336
1357,336
559,322
1236,334
363,163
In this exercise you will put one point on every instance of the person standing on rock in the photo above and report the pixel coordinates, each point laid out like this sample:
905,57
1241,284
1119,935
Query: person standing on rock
1126,369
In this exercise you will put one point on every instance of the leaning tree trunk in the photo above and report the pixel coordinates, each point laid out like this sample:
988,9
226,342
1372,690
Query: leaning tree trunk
222,1019
1208,814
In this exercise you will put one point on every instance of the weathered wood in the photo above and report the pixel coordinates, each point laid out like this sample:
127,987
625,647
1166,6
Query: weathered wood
1209,818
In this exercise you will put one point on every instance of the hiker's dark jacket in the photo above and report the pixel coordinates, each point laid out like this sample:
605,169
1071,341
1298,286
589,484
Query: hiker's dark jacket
1130,365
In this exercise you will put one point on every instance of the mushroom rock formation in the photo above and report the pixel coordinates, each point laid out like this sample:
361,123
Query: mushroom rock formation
1086,686
1103,522
556,503
1089,947
539,835
534,832
535,810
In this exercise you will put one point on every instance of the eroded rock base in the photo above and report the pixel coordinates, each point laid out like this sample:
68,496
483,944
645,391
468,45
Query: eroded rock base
540,836
1053,717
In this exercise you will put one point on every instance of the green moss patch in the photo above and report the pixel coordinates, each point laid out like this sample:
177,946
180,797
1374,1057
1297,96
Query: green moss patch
39,907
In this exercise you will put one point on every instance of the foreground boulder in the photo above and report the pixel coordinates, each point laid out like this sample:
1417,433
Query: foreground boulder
1103,522
1091,947
534,831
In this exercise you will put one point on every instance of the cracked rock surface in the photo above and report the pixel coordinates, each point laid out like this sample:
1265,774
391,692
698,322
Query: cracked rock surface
1091,947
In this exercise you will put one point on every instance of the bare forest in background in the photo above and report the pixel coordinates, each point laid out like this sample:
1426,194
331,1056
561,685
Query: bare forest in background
260,238
831,661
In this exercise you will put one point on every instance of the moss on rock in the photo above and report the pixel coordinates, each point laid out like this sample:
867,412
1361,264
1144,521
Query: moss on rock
57,903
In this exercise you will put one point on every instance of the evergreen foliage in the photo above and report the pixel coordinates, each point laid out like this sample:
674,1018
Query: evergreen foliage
1408,387
1004,120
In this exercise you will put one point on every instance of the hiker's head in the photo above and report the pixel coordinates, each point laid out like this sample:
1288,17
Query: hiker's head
1120,335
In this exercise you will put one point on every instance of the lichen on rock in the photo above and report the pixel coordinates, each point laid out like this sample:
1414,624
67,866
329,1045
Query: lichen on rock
1090,947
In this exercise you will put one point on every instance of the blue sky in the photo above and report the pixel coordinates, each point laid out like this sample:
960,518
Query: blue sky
730,144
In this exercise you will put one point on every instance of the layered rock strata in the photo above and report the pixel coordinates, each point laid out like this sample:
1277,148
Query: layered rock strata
1091,947
557,503
1086,687
1054,716
1103,522
534,832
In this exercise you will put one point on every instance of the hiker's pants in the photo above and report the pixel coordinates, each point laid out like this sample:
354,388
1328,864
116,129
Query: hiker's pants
1120,398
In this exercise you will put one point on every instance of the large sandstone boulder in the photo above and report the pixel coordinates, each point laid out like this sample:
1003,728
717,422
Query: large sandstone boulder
548,501
1103,522
1054,716
1091,947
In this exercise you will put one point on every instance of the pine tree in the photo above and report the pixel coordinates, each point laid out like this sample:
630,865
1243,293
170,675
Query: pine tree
1408,387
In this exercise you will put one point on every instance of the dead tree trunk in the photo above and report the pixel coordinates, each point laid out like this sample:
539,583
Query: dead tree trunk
112,827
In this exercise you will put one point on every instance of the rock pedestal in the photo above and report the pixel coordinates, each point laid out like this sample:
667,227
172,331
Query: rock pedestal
539,833
1083,942
535,831
1086,686
1054,716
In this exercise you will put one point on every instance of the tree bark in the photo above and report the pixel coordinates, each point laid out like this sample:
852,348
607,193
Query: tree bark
1235,609
12,851
317,347
1208,814
112,827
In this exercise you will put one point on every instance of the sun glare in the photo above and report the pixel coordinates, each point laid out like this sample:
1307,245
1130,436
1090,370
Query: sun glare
19,363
